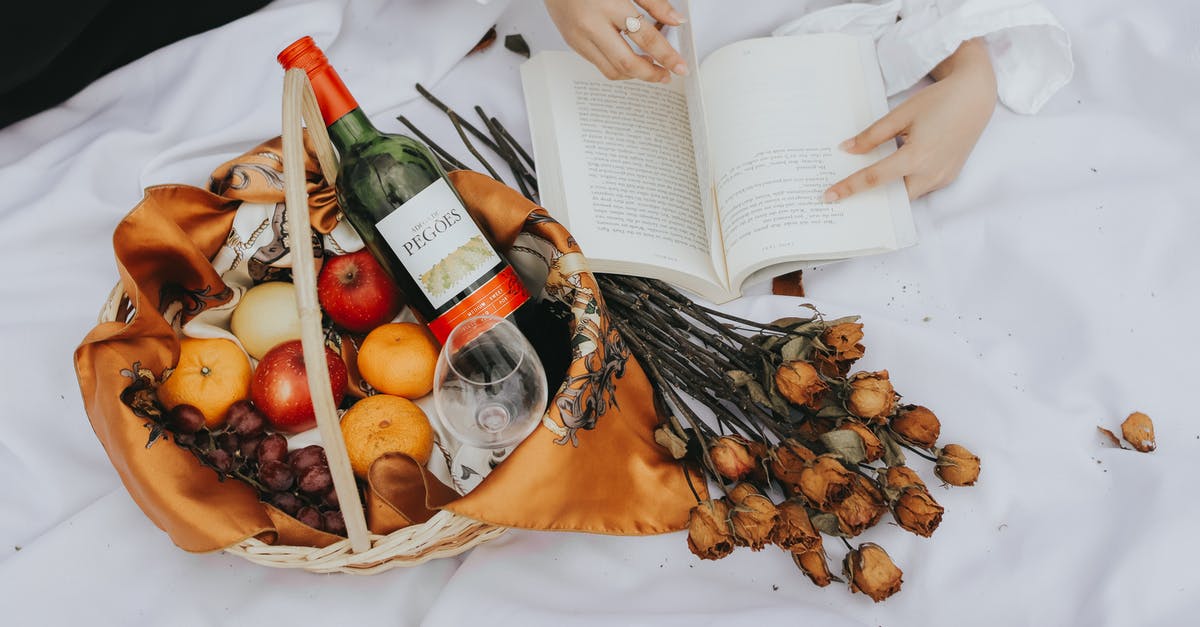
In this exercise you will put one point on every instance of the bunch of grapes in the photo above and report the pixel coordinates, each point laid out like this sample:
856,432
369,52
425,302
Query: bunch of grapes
298,482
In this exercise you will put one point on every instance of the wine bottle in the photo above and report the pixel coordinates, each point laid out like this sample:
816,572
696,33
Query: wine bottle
397,197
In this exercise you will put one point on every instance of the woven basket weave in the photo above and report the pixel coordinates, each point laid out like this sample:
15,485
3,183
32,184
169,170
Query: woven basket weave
445,534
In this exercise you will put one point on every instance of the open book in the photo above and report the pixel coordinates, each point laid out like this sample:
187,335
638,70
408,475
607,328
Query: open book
716,180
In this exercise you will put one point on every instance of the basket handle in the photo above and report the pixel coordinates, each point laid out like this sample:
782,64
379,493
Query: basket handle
298,99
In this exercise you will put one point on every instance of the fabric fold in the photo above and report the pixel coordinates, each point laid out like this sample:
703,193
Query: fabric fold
1030,50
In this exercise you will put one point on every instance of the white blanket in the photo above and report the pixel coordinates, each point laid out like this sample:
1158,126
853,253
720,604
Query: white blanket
1053,290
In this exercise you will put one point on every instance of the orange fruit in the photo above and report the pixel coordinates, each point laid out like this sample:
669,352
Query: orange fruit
211,375
385,424
399,358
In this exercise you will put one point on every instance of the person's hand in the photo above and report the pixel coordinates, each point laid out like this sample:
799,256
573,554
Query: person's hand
938,127
594,28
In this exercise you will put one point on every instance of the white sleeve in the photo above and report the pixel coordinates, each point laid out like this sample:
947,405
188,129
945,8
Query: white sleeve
1030,50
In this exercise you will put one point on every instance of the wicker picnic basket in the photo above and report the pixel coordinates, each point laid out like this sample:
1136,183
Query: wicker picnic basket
446,533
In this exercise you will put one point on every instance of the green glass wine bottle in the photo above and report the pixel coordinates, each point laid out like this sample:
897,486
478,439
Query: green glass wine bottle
397,197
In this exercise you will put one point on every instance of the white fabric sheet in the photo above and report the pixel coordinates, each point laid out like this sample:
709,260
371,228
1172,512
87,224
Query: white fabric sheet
1054,289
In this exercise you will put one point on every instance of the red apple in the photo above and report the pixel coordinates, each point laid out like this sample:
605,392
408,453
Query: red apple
280,387
357,293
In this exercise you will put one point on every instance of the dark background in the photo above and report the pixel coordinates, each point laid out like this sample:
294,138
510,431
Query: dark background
53,49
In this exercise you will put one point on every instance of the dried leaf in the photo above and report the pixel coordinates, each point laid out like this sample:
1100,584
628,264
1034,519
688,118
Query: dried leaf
843,320
893,454
1112,437
833,410
826,523
739,377
669,440
772,341
794,348
757,394
846,444
516,43
789,321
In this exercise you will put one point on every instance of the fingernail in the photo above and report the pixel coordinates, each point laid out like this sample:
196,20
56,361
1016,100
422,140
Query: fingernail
666,79
847,145
830,195
674,16
680,69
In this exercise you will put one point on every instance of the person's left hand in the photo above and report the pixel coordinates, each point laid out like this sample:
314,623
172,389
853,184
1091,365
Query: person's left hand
938,127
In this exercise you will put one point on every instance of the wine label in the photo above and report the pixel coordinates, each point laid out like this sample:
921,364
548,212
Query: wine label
445,252
438,243
498,297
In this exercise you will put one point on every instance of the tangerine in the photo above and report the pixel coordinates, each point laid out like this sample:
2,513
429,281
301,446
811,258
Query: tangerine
382,424
399,359
211,375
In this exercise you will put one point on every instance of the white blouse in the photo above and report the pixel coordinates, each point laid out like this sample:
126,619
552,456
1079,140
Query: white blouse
1030,50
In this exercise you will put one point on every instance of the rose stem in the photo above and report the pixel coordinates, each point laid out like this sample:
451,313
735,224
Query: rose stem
919,453
512,142
446,156
448,111
505,152
458,126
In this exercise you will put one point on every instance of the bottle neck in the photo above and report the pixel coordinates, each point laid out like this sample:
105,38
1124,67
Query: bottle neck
352,128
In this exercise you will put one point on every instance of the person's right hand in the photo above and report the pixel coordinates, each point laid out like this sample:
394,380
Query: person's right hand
595,29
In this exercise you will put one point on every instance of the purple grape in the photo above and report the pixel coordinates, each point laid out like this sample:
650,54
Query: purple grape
334,523
249,447
310,455
275,475
221,460
310,516
330,498
287,502
185,419
185,439
245,419
273,448
228,442
203,439
315,479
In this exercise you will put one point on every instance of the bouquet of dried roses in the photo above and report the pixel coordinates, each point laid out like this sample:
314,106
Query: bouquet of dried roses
800,445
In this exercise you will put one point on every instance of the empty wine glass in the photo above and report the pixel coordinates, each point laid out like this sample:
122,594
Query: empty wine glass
489,391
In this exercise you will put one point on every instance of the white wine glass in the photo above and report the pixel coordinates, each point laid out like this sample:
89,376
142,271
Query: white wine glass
489,391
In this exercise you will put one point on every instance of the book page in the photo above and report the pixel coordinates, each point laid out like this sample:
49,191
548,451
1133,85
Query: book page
626,170
777,109
698,117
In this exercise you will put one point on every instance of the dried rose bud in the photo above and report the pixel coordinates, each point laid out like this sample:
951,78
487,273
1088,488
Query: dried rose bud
814,565
709,534
830,366
794,530
917,425
900,477
752,516
799,383
872,447
844,339
917,512
956,465
759,451
871,571
788,461
863,507
1138,430
825,482
731,457
871,396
